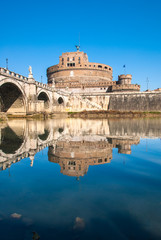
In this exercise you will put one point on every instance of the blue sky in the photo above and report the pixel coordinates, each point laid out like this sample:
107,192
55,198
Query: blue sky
114,32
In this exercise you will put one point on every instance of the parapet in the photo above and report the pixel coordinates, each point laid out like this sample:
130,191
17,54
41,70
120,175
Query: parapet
125,88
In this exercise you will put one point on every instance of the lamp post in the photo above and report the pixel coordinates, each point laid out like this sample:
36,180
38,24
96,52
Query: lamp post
147,80
7,63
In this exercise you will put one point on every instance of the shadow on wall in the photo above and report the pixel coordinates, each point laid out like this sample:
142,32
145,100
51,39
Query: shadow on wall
11,97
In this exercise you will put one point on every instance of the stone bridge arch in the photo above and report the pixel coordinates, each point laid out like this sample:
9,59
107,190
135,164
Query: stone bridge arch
44,96
12,97
61,100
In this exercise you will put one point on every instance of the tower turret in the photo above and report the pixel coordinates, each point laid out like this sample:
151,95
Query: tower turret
124,79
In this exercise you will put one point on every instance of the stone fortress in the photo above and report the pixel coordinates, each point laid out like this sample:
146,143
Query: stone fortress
74,85
76,73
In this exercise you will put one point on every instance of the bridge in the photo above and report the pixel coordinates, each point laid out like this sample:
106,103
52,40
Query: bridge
20,95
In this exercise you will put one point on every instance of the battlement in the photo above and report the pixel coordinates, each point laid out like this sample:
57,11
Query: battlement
125,87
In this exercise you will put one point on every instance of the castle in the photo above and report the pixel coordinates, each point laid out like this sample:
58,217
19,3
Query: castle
74,85
76,73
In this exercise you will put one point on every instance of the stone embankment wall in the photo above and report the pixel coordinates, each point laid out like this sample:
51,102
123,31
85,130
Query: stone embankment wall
143,101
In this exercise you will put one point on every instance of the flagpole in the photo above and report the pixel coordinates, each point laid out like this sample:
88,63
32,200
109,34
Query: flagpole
124,66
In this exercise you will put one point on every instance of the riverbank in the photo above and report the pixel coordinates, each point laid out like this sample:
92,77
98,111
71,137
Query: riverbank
84,114
112,114
42,116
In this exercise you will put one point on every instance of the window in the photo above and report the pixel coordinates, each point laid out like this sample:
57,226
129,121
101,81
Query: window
68,59
99,66
72,163
70,64
105,67
73,58
99,160
62,61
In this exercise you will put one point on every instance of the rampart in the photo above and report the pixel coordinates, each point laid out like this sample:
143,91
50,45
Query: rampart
142,101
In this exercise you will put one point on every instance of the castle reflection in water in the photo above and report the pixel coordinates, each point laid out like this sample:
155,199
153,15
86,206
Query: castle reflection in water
75,144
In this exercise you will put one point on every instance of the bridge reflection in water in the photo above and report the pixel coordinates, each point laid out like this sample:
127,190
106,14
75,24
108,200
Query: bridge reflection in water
74,144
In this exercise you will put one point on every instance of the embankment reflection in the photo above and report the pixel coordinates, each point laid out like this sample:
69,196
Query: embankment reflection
74,144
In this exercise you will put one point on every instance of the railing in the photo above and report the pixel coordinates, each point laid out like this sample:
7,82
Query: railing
8,73
43,86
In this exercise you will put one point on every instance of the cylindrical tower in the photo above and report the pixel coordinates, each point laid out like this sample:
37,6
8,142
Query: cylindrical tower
76,73
124,79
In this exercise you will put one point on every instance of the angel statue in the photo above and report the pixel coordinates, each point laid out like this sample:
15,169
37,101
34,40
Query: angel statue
77,47
30,70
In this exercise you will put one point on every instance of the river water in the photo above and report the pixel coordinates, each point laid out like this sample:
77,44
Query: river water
80,179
